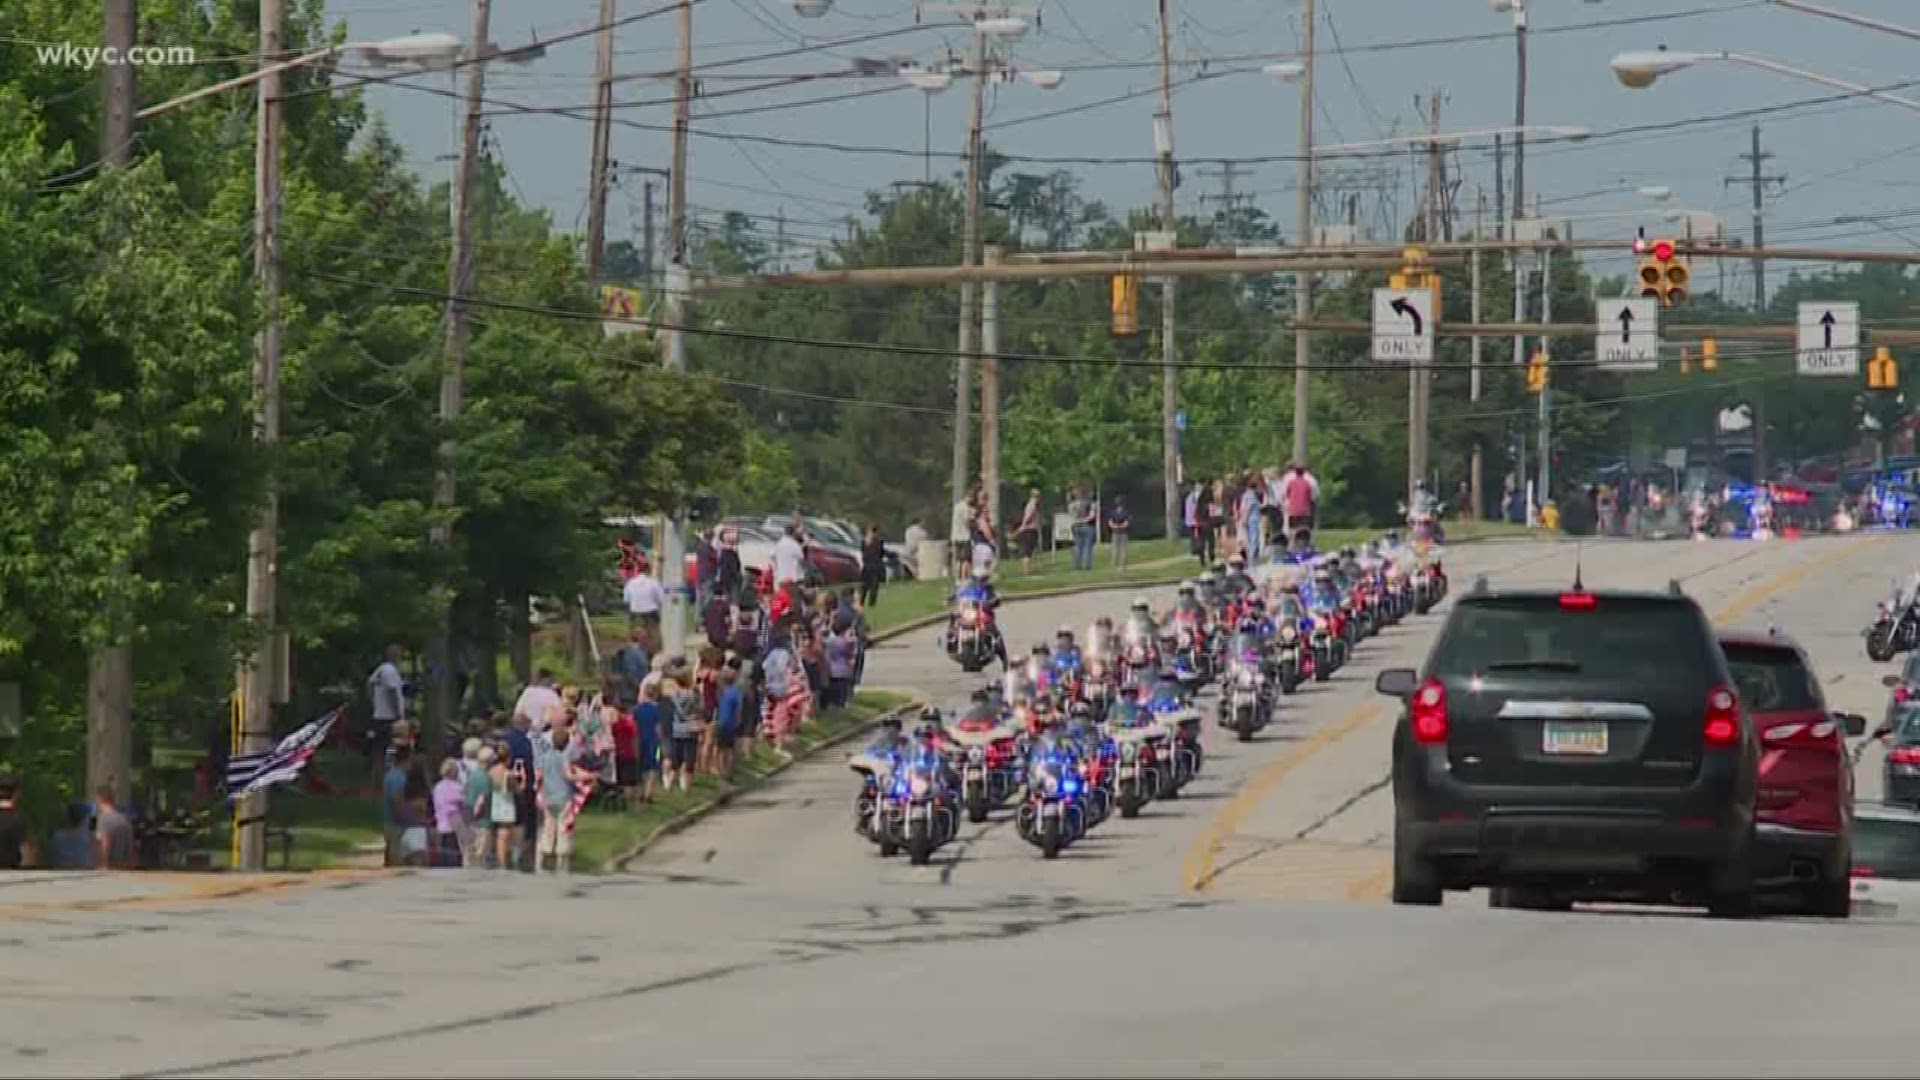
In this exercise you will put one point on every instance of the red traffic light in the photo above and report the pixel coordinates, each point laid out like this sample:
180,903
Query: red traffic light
1663,250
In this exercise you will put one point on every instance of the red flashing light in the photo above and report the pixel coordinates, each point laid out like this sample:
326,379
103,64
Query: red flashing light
1578,601
1429,713
1663,250
1722,726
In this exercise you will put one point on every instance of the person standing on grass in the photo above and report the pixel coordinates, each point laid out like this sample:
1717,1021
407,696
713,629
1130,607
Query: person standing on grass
683,748
449,815
476,792
1026,535
1118,524
503,810
645,599
728,718
387,694
556,782
649,722
841,649
113,839
873,565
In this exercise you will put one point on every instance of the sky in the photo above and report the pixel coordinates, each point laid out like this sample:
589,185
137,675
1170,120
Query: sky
1840,159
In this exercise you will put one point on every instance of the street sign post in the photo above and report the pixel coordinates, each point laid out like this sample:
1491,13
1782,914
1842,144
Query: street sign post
1403,330
1829,338
1627,334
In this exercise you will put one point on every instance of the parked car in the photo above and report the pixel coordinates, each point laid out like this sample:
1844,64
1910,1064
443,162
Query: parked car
1886,863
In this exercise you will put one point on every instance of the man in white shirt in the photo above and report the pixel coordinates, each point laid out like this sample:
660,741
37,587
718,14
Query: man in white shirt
789,560
539,702
645,598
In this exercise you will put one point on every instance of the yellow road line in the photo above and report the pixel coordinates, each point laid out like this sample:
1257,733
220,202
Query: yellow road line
1197,870
193,889
1375,887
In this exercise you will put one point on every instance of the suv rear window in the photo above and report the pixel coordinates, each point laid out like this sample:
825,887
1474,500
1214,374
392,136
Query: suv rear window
1771,679
1638,639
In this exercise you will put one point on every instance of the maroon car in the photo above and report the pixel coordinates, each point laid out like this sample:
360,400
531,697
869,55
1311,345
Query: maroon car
1804,813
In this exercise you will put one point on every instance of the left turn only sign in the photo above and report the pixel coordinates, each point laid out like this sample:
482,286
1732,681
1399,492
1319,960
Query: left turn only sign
1403,325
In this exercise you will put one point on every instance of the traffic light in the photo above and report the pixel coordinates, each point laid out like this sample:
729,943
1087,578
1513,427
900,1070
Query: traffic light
1882,373
1416,273
1537,374
1709,355
1126,305
1664,276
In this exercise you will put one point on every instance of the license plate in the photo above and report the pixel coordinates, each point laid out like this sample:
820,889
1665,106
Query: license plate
1587,737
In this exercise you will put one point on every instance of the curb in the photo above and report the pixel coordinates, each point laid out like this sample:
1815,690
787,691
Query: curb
686,818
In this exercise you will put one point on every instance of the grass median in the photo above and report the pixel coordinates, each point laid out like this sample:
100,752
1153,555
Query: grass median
344,830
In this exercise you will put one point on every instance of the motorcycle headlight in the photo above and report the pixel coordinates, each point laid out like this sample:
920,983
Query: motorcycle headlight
975,753
1288,633
1052,784
1248,677
920,787
967,617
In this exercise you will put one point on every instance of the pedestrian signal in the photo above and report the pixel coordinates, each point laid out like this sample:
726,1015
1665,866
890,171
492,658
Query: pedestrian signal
1882,373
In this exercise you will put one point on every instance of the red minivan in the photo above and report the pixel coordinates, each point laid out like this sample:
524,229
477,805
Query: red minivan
1804,813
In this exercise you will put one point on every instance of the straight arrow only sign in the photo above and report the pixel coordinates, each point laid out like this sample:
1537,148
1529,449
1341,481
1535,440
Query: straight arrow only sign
1626,334
1828,338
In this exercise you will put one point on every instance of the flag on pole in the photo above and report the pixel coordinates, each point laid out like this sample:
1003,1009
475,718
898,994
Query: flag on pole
284,763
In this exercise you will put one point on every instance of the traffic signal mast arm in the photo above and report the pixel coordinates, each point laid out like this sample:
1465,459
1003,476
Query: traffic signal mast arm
1669,332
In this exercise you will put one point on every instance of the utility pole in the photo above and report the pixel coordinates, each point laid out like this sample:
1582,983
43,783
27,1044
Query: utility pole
1545,449
1420,377
646,233
602,137
672,574
110,666
1520,114
1169,355
1303,214
1476,471
969,316
1758,181
990,385
263,542
453,377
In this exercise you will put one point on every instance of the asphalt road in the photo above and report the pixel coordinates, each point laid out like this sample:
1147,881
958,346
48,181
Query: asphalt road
1239,931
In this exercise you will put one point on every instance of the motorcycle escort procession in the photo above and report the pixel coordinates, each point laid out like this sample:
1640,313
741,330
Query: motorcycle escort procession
1074,732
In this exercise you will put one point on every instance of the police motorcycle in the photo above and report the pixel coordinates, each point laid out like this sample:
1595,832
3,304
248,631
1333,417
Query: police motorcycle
1069,666
1098,757
1293,659
1173,705
1139,647
1054,813
985,744
1429,582
1246,694
1189,626
1896,624
972,638
1139,739
917,812
1328,644
876,766
1098,687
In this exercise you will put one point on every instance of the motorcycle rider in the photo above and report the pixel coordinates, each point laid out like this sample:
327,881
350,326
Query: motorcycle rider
1140,621
978,590
1209,589
1238,583
889,739
1066,653
930,747
980,715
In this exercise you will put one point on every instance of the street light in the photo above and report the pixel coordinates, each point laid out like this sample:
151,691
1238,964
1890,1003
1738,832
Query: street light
422,50
1546,131
1639,70
812,9
1285,70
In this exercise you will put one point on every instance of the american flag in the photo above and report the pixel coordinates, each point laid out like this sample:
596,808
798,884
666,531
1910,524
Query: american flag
282,764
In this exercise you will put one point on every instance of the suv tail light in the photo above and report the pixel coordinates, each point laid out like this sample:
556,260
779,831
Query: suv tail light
1578,601
1902,694
1722,726
1904,755
1429,713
